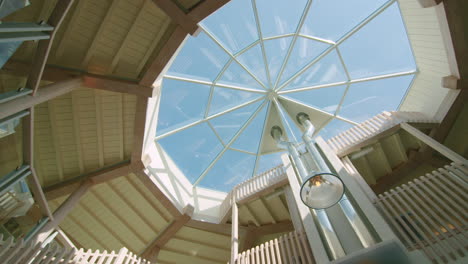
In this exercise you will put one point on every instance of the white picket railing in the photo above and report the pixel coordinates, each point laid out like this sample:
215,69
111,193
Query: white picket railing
8,204
244,190
289,248
372,127
430,213
24,253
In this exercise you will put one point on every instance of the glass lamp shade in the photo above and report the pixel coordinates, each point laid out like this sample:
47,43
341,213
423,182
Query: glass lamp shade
322,190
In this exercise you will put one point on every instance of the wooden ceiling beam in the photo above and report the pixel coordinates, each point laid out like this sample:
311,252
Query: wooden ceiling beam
153,188
206,8
45,94
95,81
43,49
185,21
151,252
100,176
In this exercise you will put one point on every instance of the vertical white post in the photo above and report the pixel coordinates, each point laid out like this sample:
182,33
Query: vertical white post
380,225
234,229
121,256
312,233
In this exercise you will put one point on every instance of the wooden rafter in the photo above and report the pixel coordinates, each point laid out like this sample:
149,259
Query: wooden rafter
164,56
100,176
43,49
139,132
151,252
45,94
177,15
63,210
162,198
55,74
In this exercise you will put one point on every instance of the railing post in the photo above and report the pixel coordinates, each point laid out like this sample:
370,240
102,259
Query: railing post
121,256
234,229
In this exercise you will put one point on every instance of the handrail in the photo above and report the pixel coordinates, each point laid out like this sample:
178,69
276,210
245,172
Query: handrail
430,212
372,127
245,189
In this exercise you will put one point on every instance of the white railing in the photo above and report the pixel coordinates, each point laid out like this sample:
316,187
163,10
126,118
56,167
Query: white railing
289,248
430,213
372,127
23,253
8,204
273,177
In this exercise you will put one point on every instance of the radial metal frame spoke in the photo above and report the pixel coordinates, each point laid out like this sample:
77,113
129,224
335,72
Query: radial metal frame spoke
341,40
212,87
293,42
235,87
228,145
207,118
262,44
326,41
259,150
216,133
348,76
209,34
372,78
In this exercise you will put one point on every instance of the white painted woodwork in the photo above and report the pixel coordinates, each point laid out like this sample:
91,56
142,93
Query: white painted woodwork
253,187
373,127
380,225
433,53
26,252
430,212
452,155
288,248
234,230
311,231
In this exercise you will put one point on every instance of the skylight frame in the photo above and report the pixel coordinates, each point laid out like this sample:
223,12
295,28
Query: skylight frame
277,86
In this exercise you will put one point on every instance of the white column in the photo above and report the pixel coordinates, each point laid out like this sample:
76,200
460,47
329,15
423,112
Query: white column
234,230
312,233
380,225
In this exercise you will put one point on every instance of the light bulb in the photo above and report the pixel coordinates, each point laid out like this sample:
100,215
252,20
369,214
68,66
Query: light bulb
322,190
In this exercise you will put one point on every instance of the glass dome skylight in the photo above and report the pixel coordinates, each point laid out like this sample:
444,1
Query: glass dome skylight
257,63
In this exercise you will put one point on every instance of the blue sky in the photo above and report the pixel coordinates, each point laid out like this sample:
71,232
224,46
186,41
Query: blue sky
201,82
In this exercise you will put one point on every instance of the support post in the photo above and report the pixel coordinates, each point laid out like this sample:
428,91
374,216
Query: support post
312,233
450,154
234,229
64,209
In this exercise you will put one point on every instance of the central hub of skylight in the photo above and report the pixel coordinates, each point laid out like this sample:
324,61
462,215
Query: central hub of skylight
272,95
257,63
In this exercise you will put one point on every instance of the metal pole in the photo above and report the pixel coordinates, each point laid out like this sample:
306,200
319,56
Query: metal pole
352,216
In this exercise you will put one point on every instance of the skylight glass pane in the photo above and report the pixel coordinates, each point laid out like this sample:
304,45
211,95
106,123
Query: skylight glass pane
250,137
304,51
380,47
252,59
200,58
333,128
237,76
228,124
268,161
325,99
327,70
276,50
279,18
225,98
367,99
233,25
192,149
177,107
331,19
7,49
231,169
